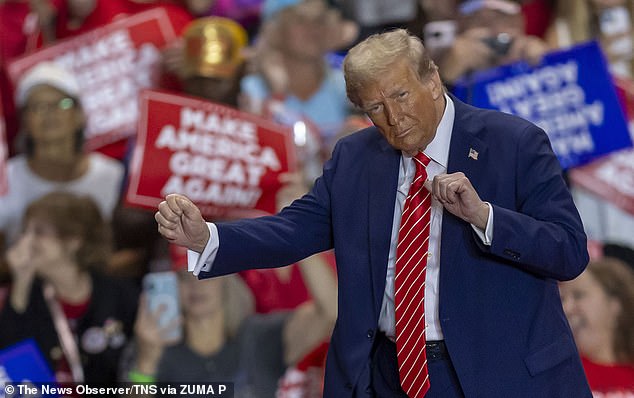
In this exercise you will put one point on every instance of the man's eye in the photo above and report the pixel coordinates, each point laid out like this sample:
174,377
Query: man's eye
374,109
403,94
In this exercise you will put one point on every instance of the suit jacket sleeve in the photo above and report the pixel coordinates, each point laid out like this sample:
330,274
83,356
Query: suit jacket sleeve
298,231
543,233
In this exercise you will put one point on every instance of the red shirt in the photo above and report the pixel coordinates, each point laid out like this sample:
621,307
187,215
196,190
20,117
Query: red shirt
538,15
105,12
273,294
179,15
613,381
19,34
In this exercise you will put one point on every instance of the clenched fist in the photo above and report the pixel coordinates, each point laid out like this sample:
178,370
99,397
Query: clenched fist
180,222
455,192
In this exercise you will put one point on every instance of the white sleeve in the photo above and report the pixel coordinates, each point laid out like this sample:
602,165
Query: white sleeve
486,236
197,262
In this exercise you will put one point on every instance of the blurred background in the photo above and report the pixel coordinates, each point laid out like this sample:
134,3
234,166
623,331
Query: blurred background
77,248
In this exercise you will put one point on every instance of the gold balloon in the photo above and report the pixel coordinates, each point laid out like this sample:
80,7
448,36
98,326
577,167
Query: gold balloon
213,47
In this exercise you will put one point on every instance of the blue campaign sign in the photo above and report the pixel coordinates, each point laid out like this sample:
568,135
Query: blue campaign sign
24,362
570,95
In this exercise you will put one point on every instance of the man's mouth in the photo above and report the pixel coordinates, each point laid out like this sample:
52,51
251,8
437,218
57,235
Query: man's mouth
403,133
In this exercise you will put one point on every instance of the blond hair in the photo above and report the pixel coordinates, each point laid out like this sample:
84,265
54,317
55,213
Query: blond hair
368,60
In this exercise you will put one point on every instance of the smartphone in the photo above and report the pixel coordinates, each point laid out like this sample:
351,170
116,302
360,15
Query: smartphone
439,34
500,44
161,290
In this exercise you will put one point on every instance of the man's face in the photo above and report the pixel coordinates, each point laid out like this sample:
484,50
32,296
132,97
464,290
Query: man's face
403,107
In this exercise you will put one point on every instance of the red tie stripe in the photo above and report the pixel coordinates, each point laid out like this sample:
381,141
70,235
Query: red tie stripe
409,284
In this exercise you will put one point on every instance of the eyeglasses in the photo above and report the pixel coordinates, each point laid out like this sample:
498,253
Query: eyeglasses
63,104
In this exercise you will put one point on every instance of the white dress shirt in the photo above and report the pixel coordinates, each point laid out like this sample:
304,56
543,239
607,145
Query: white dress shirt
438,152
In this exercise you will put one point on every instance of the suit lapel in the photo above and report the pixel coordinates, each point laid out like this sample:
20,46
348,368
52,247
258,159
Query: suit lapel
470,155
383,180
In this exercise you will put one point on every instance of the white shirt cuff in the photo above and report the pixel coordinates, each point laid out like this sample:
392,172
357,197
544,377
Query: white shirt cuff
197,262
486,236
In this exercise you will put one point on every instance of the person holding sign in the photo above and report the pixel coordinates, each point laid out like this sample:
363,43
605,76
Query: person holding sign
451,226
52,123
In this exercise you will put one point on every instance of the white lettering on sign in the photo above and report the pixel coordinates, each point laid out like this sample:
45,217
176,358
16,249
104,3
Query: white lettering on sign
217,159
200,121
552,98
217,146
111,71
618,172
202,191
115,43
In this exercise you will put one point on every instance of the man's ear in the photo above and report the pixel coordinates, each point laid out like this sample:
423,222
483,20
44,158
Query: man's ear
435,85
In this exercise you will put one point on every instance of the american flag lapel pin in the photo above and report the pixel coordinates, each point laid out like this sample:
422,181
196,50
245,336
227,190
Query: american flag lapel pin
473,154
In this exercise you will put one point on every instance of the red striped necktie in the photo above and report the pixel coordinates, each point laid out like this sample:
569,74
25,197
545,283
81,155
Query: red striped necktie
409,284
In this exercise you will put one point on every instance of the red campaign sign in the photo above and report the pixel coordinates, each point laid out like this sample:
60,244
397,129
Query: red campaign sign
224,160
3,153
611,178
112,64
625,90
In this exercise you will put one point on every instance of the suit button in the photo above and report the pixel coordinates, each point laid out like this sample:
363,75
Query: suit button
368,390
370,333
513,254
349,386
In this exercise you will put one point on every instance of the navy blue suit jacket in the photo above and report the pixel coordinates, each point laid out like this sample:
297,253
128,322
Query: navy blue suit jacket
500,310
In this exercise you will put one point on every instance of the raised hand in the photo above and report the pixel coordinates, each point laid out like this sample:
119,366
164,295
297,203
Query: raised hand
455,192
180,222
151,338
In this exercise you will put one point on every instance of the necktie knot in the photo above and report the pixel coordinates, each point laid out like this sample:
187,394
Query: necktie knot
421,161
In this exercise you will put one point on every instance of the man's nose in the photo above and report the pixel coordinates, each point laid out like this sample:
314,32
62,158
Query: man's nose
393,113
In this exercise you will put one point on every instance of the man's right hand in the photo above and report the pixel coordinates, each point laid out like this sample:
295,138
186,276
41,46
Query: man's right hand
180,222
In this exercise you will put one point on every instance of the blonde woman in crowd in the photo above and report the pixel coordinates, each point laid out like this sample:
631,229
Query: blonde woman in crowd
599,305
609,21
290,65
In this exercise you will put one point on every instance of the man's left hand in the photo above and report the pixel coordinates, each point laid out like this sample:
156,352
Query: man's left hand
455,192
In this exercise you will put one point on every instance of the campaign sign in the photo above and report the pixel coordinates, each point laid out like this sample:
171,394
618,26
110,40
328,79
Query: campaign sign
625,90
23,363
570,95
224,160
112,64
610,178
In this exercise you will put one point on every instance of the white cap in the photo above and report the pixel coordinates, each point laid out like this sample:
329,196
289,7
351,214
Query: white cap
48,73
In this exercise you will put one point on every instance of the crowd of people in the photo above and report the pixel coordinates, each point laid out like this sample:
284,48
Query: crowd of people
75,255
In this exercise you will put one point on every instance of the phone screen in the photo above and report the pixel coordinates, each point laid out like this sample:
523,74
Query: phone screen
161,290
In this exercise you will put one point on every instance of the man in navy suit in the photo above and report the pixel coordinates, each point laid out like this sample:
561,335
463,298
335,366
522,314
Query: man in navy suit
503,231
